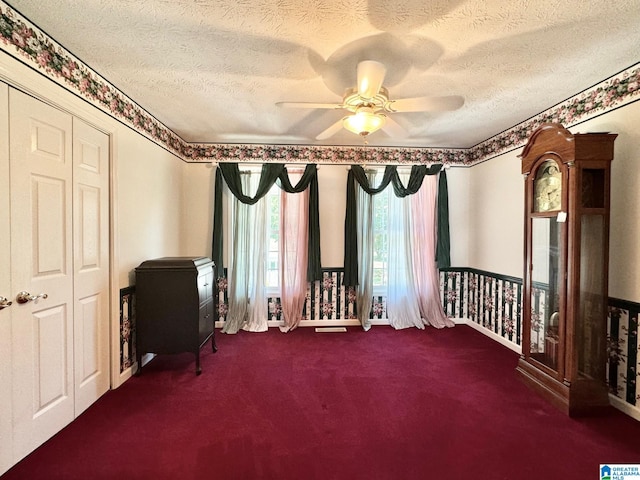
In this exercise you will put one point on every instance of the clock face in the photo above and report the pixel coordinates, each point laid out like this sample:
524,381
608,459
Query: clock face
547,188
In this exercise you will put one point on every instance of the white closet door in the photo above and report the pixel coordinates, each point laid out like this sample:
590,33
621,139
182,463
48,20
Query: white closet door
6,449
91,263
41,263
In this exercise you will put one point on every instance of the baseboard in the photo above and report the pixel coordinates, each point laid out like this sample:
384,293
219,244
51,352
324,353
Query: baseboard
616,402
125,375
317,323
492,335
330,323
624,407
128,372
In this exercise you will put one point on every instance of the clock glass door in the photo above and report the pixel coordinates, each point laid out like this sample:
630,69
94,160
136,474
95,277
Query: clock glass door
546,258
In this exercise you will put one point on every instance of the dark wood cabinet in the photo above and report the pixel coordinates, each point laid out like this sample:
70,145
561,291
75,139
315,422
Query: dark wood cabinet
174,306
564,333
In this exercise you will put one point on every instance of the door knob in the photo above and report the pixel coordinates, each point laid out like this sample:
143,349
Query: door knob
24,297
4,302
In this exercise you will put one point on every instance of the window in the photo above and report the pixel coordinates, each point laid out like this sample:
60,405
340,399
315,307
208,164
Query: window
381,224
258,229
272,272
380,238
405,256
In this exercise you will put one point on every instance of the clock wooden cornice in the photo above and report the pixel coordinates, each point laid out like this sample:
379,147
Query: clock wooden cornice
549,138
553,138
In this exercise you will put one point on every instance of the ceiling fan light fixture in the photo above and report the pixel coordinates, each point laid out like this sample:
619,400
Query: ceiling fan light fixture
364,122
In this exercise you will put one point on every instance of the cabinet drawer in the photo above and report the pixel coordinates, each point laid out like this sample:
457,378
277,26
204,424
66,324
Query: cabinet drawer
205,285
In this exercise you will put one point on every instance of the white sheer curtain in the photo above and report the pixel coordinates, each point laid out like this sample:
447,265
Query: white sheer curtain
402,300
364,290
246,271
423,248
412,286
294,235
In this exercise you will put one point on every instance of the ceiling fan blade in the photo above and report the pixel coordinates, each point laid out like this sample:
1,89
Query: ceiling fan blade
370,77
426,104
308,105
331,131
394,129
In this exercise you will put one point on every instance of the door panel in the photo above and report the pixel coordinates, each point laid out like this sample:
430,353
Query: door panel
88,358
48,141
89,237
6,448
91,263
41,254
50,359
48,218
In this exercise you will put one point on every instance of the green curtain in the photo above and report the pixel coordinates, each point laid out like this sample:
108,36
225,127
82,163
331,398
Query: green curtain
216,243
350,277
443,247
418,172
271,173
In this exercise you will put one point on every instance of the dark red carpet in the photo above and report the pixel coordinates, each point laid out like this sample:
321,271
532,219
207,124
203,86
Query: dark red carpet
382,404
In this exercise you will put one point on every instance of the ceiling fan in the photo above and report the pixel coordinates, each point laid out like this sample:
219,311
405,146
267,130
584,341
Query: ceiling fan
369,105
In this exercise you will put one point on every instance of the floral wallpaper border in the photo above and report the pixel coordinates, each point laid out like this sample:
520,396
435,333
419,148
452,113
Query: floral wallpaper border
27,43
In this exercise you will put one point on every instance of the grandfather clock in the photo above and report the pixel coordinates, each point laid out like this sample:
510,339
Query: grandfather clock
564,314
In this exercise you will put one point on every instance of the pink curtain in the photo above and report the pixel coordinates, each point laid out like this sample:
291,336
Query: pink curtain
294,221
423,237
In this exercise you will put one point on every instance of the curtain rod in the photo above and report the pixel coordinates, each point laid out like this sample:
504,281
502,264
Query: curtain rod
445,166
286,165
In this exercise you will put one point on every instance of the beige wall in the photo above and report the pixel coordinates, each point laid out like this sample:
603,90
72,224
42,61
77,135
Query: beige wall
149,203
147,182
458,181
197,216
495,203
486,204
624,238
163,205
197,212
332,192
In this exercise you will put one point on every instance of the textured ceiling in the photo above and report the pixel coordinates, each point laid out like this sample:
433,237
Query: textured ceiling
213,70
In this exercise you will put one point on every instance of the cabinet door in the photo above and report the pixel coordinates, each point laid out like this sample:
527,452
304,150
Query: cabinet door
205,321
6,450
42,263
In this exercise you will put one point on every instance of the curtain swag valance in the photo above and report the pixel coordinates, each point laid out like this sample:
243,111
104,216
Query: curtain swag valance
418,172
271,173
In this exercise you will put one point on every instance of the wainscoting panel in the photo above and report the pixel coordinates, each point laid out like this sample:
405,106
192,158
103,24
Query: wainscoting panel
493,302
490,301
622,346
127,327
326,300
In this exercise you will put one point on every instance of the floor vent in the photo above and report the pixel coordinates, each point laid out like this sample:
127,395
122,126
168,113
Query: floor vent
330,329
